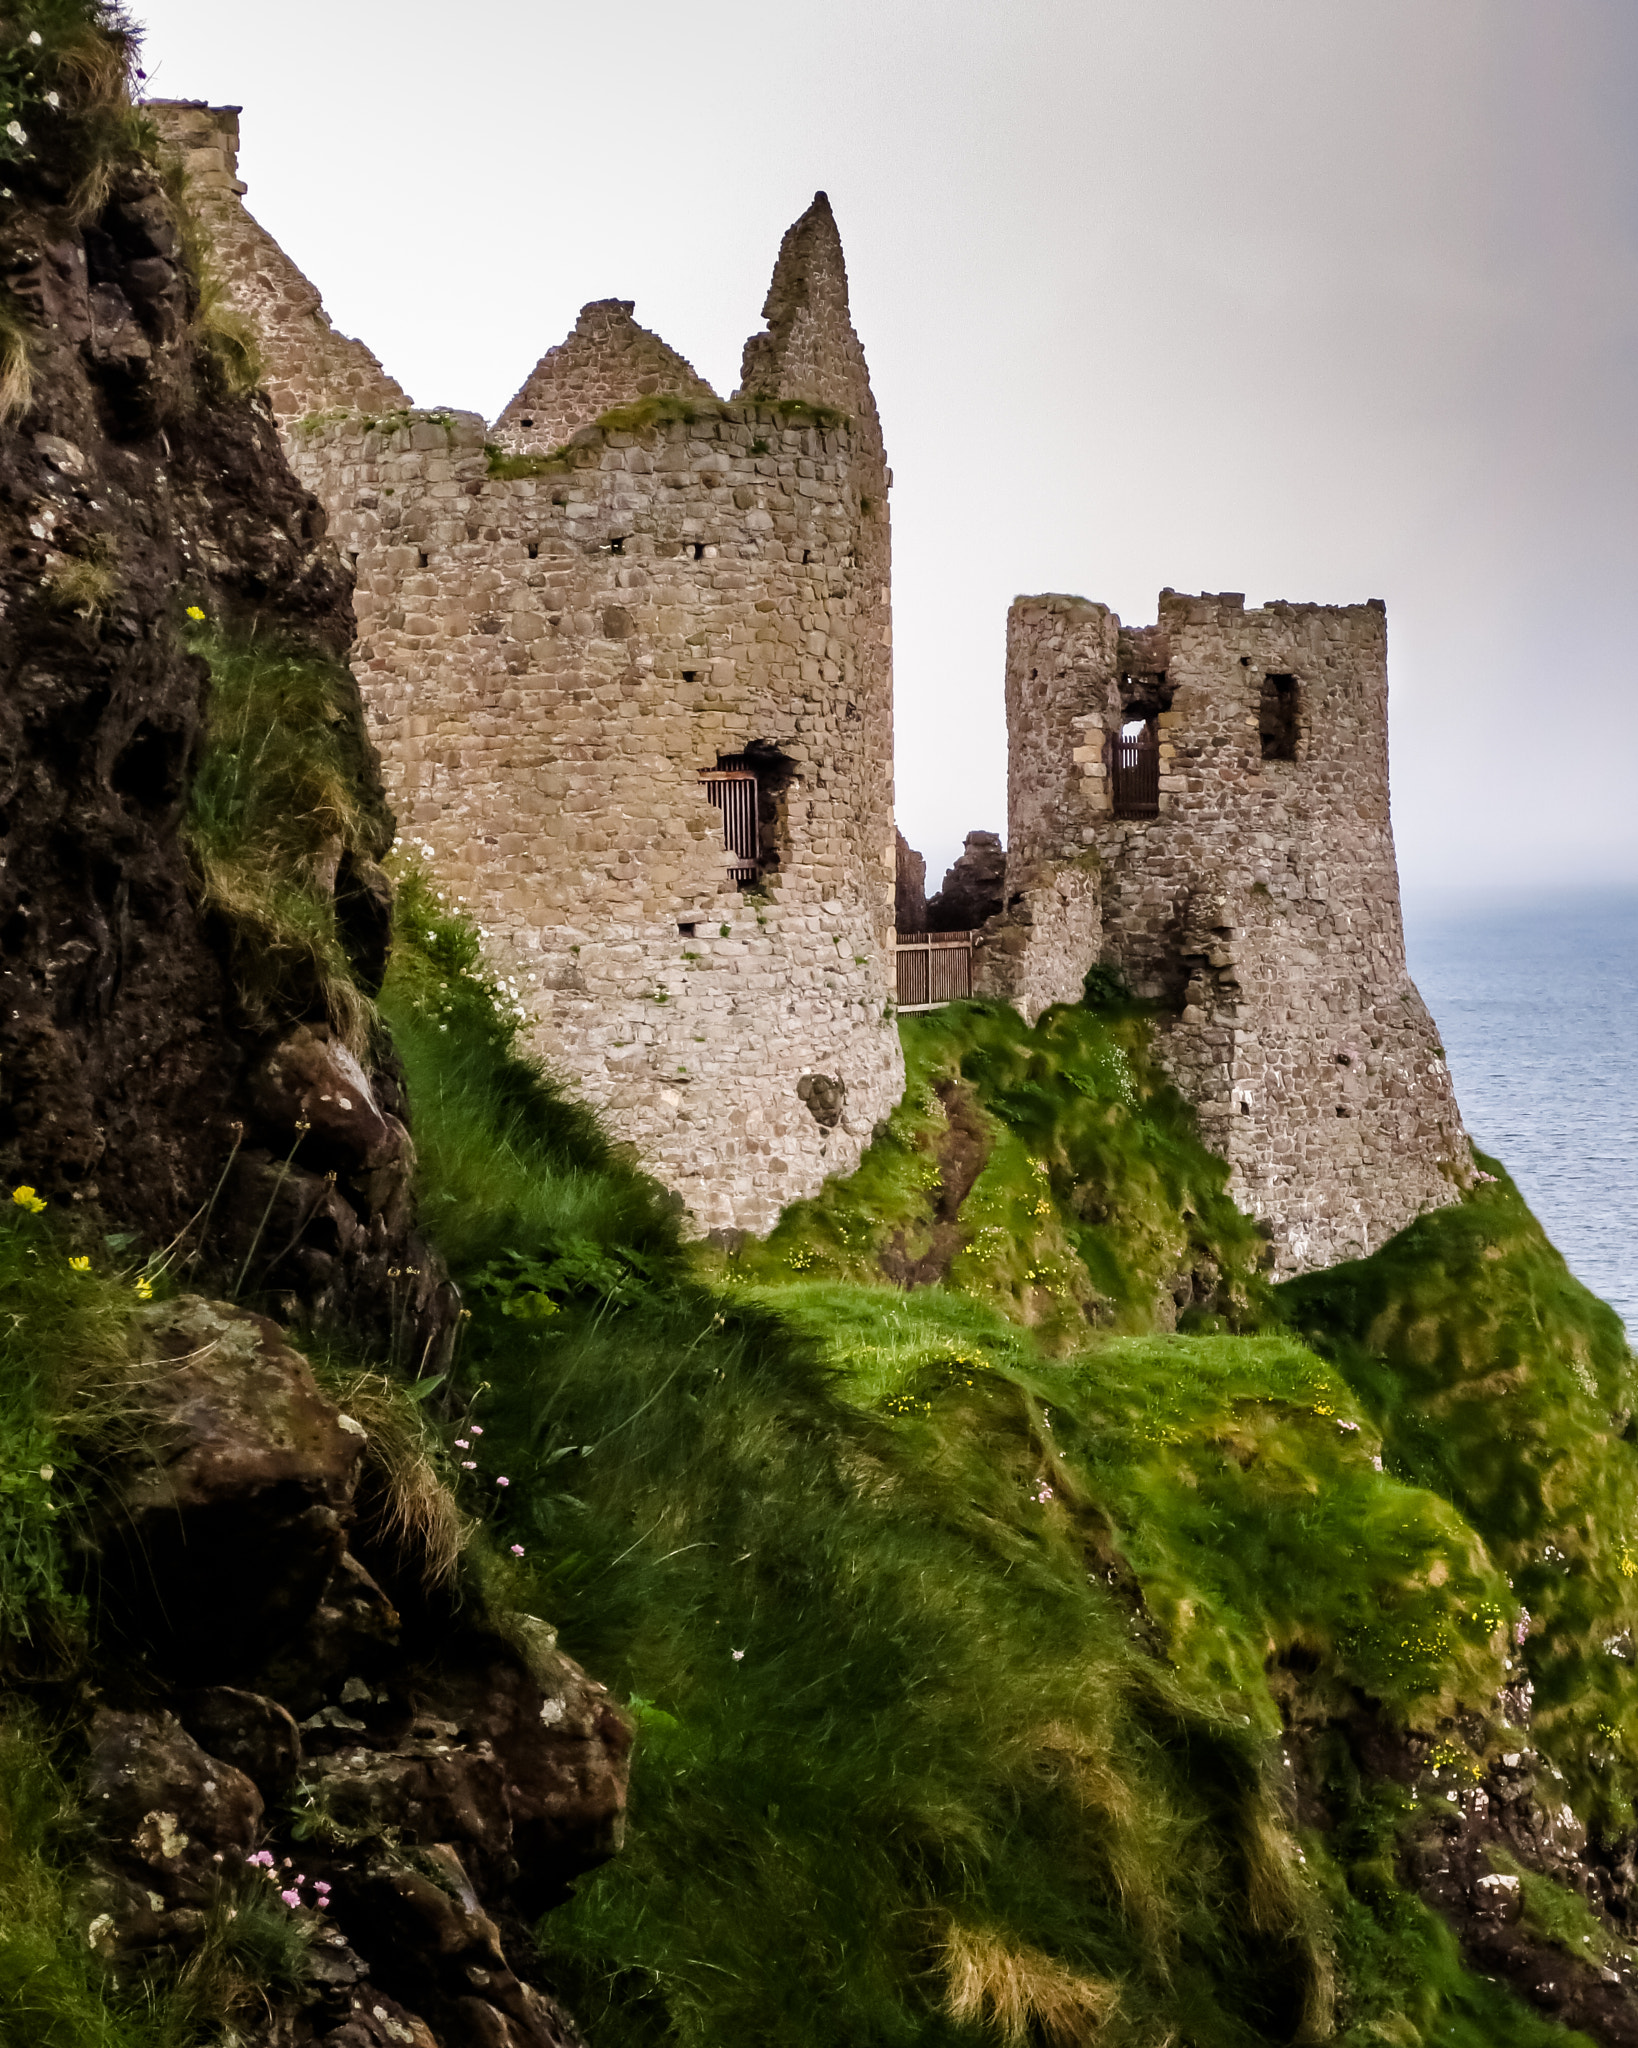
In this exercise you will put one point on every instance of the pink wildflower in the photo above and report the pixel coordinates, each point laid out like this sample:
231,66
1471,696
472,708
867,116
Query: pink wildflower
503,1482
469,1464
517,1549
476,1431
291,1898
461,1444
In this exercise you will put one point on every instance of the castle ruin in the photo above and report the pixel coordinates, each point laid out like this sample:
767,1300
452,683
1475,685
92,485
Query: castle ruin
627,658
1202,806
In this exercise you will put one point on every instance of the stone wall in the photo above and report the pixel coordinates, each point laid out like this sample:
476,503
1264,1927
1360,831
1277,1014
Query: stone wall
1261,906
607,360
550,660
310,366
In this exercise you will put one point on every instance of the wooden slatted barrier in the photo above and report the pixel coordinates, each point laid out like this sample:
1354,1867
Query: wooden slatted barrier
1134,769
934,968
733,791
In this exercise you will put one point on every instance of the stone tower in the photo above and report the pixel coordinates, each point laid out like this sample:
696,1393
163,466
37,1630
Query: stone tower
566,627
1248,886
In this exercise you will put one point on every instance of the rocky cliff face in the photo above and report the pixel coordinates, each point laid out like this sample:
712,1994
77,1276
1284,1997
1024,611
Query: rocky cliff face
288,1712
141,493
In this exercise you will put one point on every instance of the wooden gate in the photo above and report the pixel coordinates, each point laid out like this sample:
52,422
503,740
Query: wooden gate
934,968
1134,772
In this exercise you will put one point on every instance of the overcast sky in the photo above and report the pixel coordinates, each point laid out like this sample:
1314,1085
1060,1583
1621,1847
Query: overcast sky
1314,299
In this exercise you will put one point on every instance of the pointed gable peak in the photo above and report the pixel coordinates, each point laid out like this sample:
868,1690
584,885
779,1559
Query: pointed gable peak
809,349
605,360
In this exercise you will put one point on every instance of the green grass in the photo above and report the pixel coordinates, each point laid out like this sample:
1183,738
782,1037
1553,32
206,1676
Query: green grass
508,467
1497,1381
1096,1204
279,805
1013,1620
63,1335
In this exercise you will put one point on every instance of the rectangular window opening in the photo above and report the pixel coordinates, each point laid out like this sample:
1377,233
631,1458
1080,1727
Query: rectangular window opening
734,792
1134,769
1277,718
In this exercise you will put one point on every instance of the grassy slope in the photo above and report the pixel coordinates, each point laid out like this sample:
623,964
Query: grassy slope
1016,1606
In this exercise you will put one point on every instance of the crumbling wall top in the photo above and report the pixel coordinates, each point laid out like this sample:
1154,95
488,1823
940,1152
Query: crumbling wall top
310,367
605,360
809,350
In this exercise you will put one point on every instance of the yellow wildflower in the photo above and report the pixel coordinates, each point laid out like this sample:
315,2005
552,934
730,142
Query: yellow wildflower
80,1265
144,1288
26,1198
195,614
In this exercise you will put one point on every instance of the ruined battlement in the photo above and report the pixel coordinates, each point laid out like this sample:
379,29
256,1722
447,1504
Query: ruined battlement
1245,880
309,365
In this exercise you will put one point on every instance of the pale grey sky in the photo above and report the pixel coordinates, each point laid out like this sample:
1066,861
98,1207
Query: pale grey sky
1315,299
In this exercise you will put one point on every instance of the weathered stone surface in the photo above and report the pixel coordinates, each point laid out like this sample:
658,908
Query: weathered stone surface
606,360
310,1085
973,889
910,889
310,365
1261,906
166,1813
229,1520
456,1770
441,1953
246,1729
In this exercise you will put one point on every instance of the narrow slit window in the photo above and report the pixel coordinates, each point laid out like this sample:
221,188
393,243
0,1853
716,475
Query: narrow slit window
1277,718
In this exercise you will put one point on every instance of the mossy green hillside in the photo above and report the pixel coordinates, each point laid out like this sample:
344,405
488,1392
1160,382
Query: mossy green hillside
963,1658
1053,1172
1499,1382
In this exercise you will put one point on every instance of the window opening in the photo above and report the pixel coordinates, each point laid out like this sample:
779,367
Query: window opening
617,546
1134,769
528,423
699,551
534,551
1277,718
734,792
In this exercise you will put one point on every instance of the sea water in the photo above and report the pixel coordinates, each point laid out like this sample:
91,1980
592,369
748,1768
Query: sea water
1537,1006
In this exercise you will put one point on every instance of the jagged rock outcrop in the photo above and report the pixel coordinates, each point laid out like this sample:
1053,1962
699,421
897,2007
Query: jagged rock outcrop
286,1709
136,482
409,1780
910,889
974,888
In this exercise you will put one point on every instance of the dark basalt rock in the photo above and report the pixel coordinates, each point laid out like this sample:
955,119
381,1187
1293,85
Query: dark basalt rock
974,889
451,1773
221,1537
255,1679
126,1061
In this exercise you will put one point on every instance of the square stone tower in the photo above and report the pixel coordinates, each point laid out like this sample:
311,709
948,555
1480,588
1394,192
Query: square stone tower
1217,787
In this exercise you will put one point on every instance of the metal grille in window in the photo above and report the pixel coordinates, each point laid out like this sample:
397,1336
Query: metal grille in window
733,791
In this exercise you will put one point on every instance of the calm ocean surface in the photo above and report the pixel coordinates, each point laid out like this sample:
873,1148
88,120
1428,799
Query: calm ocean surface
1537,1005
